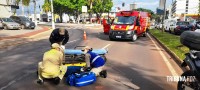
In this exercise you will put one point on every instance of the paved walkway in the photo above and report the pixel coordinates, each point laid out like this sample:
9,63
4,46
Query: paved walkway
10,34
16,37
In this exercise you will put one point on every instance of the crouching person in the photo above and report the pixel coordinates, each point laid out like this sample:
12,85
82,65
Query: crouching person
52,65
94,62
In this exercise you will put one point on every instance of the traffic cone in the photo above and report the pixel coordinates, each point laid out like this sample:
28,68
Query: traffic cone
84,36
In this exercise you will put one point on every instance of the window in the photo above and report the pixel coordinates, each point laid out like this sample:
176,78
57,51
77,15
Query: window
124,20
7,20
182,23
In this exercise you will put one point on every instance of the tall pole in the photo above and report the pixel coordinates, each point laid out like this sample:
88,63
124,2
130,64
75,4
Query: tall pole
35,16
52,16
22,9
164,16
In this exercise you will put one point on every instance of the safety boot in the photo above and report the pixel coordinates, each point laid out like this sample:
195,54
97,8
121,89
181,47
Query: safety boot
103,74
56,80
40,82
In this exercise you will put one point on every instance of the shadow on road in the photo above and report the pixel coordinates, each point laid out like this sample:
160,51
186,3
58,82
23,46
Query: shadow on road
145,82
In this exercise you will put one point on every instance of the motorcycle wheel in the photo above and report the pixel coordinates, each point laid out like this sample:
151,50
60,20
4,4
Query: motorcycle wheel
183,85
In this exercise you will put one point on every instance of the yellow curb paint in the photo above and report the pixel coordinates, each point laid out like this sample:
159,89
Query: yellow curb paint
38,34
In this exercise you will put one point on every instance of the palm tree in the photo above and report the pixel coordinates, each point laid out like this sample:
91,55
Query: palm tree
47,6
24,2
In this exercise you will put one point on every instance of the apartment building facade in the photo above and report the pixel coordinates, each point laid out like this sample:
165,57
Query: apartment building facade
180,7
7,8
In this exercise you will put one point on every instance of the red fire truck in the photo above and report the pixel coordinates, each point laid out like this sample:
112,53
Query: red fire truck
128,25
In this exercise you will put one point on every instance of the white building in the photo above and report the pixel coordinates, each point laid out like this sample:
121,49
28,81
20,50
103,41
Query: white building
7,7
133,6
185,7
161,4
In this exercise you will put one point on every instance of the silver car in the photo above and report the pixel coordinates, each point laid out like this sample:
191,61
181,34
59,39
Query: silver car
8,23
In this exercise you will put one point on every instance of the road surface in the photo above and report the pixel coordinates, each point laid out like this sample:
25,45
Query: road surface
139,65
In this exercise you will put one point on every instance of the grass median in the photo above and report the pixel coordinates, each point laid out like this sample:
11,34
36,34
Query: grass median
171,41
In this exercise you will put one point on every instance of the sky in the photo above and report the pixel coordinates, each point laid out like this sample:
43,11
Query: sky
148,4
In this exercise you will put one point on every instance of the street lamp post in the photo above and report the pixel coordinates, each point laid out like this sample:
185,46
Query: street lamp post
35,16
164,16
52,16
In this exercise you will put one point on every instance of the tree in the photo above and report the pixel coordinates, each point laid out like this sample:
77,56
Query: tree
153,15
47,6
24,2
68,6
102,6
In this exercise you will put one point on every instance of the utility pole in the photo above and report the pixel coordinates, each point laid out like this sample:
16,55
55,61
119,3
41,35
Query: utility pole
164,16
52,16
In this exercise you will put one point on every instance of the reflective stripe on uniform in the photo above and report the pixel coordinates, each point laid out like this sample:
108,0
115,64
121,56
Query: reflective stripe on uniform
93,60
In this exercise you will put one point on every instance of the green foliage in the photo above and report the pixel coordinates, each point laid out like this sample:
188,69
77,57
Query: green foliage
101,6
153,15
172,42
47,6
26,2
69,5
145,10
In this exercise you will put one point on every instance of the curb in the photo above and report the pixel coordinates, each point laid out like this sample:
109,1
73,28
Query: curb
172,54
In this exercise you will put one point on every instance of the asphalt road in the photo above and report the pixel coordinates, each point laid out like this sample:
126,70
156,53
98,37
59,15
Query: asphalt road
131,65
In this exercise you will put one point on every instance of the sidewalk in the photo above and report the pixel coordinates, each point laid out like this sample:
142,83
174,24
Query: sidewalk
10,34
15,37
69,24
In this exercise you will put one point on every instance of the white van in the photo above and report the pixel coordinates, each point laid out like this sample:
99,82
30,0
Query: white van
168,23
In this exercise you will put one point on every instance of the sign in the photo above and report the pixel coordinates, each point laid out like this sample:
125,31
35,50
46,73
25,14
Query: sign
84,8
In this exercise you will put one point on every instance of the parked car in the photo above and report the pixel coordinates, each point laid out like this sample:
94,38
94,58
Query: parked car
152,26
8,23
197,26
24,22
180,26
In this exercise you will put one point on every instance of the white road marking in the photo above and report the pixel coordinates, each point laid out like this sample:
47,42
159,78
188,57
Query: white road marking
106,46
73,41
171,69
